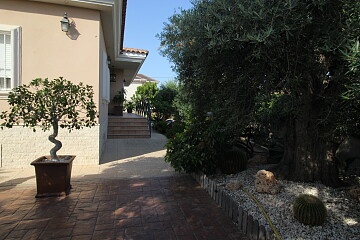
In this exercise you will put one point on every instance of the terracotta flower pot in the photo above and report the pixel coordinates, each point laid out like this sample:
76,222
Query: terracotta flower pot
53,178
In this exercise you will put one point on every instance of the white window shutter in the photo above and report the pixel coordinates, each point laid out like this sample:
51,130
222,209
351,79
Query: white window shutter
10,58
5,60
15,43
2,54
105,79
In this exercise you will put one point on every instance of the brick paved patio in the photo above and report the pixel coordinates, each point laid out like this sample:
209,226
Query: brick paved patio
174,207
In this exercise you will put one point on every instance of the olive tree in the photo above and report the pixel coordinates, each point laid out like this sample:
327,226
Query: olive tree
50,105
232,55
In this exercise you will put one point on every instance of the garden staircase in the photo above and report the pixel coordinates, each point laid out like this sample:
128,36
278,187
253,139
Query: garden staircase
128,126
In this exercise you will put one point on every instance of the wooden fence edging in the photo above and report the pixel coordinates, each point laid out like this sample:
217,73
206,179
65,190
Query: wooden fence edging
220,196
262,233
225,198
216,194
249,225
255,229
245,222
240,217
212,188
231,207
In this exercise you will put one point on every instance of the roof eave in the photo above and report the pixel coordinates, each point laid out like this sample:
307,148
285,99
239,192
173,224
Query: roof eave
133,61
119,13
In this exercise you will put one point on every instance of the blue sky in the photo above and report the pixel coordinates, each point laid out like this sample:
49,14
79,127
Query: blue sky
144,19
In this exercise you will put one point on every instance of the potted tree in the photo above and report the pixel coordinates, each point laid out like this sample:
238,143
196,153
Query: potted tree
49,105
129,105
119,99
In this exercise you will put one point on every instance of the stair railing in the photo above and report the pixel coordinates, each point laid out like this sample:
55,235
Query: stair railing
143,108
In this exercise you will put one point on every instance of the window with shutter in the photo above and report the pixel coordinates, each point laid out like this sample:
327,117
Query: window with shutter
9,58
5,60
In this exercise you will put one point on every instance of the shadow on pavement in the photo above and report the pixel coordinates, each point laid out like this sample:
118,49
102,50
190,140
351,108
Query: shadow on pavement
118,149
12,183
137,167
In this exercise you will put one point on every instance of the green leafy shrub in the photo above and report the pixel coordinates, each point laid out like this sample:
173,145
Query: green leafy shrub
193,150
161,126
164,99
129,105
182,155
169,129
119,98
309,210
233,161
175,127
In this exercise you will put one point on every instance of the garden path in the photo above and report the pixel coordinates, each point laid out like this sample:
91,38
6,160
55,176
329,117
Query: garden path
133,194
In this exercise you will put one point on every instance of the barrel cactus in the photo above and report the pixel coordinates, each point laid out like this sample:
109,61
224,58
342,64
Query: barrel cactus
234,160
309,210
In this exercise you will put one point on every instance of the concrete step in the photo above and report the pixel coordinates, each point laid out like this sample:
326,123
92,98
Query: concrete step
134,127
127,131
130,124
127,136
128,127
123,120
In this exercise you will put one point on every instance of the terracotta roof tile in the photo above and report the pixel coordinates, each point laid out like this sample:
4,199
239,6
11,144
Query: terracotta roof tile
135,50
143,78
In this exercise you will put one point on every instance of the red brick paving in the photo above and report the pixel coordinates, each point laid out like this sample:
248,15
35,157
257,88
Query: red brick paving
145,209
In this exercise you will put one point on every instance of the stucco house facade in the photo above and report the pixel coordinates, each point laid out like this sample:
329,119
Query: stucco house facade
33,45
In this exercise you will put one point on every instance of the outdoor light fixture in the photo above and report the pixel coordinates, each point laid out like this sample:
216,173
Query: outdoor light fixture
65,23
112,74
108,61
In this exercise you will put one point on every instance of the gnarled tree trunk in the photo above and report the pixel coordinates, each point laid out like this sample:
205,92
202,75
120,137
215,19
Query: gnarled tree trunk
308,156
57,143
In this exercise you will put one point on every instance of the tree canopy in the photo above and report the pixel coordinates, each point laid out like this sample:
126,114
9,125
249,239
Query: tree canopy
285,67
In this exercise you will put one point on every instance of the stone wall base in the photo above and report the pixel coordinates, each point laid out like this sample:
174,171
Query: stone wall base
20,146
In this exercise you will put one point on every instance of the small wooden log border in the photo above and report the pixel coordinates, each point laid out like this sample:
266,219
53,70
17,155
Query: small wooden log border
245,222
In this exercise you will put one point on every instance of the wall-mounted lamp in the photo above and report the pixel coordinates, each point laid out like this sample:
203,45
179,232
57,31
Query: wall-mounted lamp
112,74
108,61
65,23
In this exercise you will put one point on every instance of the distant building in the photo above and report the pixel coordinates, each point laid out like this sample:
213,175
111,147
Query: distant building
138,81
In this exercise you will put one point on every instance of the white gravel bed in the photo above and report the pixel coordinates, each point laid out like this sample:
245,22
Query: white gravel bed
343,220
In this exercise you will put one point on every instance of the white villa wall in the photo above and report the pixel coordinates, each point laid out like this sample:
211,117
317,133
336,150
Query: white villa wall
131,89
